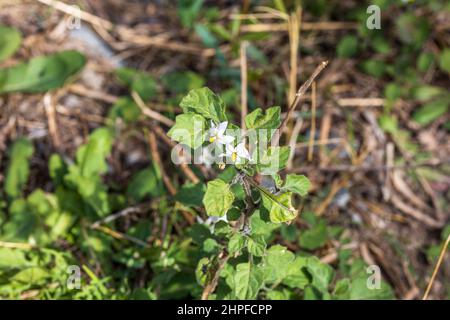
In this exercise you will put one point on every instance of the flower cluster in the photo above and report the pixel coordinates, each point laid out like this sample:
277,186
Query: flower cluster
217,137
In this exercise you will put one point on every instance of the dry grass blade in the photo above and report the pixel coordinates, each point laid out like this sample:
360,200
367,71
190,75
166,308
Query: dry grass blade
243,62
150,113
301,91
436,268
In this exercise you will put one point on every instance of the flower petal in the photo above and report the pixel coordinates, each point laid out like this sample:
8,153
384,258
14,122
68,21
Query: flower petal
222,127
242,151
226,139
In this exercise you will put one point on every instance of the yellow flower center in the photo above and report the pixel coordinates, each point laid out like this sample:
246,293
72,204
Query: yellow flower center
234,156
212,139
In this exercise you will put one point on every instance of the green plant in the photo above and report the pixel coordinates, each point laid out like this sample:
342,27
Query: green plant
236,261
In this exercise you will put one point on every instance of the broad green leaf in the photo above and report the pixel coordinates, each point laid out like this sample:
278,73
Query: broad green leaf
10,40
21,224
359,290
412,30
444,60
236,243
277,262
297,183
147,182
273,160
322,274
204,102
248,279
12,258
202,273
141,82
296,276
261,226
315,237
258,119
347,47
431,111
278,295
124,108
189,130
191,194
42,73
279,206
31,276
90,188
342,289
218,198
91,157
375,68
424,61
18,167
182,82
256,245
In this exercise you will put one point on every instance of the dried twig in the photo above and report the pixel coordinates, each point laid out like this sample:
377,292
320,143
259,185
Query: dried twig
436,268
157,158
150,113
301,91
312,132
243,61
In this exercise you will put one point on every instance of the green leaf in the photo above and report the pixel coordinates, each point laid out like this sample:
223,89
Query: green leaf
191,194
218,198
444,60
347,47
279,206
412,30
388,123
424,61
296,276
147,182
270,119
188,11
42,73
342,289
297,183
360,291
91,157
375,68
273,160
141,82
57,169
431,111
322,274
11,258
182,82
236,243
18,168
204,102
202,273
10,40
425,93
256,245
315,237
124,108
248,279
31,276
277,263
189,129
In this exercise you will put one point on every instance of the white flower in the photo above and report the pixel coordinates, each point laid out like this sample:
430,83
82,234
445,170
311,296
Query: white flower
238,153
217,133
207,158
